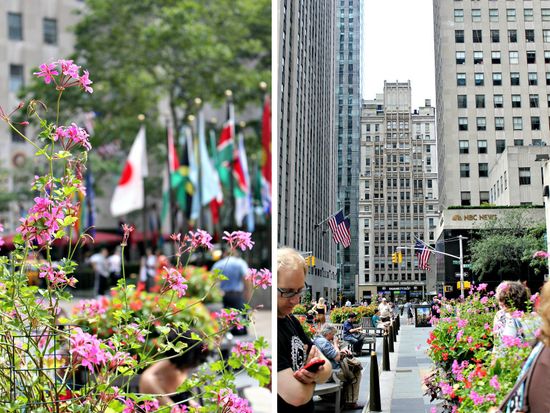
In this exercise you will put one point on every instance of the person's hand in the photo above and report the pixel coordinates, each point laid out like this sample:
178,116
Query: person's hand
308,377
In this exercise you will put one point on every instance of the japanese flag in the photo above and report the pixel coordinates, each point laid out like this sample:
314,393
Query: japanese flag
128,195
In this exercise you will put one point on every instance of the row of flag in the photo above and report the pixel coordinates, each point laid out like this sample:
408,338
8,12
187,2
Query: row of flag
197,175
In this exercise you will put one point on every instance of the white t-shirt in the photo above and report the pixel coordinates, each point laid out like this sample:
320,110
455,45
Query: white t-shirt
99,262
114,262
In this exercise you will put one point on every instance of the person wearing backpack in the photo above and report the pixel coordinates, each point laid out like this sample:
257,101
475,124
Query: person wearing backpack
341,358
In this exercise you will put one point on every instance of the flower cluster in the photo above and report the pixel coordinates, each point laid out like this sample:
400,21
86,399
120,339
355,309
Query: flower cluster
232,403
175,281
238,239
70,136
55,276
64,74
229,318
43,220
259,278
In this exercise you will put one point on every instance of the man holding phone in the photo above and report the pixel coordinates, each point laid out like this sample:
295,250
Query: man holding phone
295,382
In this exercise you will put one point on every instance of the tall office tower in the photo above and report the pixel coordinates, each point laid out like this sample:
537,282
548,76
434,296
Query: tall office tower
492,76
348,95
33,32
306,147
398,194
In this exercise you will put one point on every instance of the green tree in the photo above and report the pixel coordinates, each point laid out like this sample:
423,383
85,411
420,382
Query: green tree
504,248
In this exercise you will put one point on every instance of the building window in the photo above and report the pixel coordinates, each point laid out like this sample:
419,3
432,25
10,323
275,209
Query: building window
531,57
500,145
462,124
50,31
516,101
517,121
462,102
481,124
459,36
497,79
514,79
461,79
534,101
548,100
528,15
493,15
512,36
518,142
478,58
545,15
482,146
465,198
495,57
459,15
476,15
529,35
532,78
460,58
546,36
498,101
495,36
535,123
15,26
525,176
483,169
476,34
483,197
480,101
546,56
463,147
16,78
514,58
464,170
499,123
547,78
511,15
479,79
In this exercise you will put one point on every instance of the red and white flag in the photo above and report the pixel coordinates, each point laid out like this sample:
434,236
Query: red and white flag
128,195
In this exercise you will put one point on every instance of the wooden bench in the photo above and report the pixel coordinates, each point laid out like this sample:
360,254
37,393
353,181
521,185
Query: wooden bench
332,387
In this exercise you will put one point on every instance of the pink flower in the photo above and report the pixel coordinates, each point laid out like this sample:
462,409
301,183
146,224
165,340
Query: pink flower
130,406
86,350
70,136
244,349
179,408
541,254
484,300
511,341
446,388
1,228
47,71
199,238
68,68
534,297
476,398
259,278
459,335
55,276
85,82
482,287
494,383
239,239
231,403
491,397
175,281
127,231
229,317
487,326
517,314
90,308
462,323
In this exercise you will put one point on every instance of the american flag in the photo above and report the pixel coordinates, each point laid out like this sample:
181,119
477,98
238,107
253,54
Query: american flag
423,255
340,227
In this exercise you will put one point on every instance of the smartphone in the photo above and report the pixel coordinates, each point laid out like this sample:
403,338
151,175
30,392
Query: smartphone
313,366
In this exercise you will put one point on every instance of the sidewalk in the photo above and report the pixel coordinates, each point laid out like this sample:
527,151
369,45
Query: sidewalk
401,389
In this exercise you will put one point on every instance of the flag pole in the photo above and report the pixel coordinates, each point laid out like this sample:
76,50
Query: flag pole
141,118
200,220
169,168
231,117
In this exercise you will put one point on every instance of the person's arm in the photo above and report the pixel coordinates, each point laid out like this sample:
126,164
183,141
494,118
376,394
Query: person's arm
293,391
149,385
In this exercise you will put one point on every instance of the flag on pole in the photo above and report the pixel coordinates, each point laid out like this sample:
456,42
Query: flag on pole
129,194
423,255
168,172
340,227
90,203
243,200
226,150
266,155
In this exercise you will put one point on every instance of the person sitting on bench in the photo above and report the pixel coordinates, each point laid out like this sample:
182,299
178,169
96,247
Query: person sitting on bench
354,335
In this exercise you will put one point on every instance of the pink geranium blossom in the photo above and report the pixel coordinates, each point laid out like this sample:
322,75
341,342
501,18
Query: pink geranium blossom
229,317
175,281
239,239
47,71
55,276
476,398
197,239
541,254
85,82
231,403
86,350
244,349
259,278
494,383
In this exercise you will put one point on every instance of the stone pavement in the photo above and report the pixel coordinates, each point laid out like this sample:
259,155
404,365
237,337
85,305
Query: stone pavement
401,389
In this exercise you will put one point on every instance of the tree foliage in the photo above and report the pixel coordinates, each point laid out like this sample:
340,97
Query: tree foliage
504,247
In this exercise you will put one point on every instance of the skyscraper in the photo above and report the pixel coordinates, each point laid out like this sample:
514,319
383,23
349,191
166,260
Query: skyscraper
348,106
492,78
397,194
306,147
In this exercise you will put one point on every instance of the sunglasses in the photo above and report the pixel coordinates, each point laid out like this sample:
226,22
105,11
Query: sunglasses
289,292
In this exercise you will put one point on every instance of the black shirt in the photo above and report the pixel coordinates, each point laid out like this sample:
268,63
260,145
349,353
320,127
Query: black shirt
291,353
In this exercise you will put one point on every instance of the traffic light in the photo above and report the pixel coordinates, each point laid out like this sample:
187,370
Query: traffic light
310,261
399,257
394,258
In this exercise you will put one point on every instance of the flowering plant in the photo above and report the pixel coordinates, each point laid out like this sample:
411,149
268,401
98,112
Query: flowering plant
49,363
341,314
309,329
468,376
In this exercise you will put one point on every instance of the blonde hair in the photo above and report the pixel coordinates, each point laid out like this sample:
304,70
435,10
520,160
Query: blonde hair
544,311
290,259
